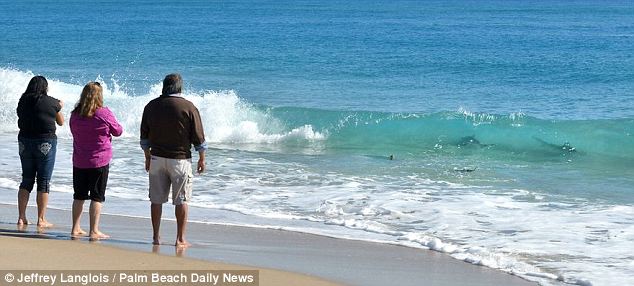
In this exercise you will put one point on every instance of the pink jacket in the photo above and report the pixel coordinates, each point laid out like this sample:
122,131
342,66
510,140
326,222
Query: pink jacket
92,138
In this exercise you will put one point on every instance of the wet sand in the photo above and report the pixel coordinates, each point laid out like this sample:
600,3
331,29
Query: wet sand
295,254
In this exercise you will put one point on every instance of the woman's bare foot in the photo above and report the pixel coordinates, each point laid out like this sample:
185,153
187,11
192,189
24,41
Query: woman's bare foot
78,233
43,223
98,235
156,241
22,221
182,244
179,251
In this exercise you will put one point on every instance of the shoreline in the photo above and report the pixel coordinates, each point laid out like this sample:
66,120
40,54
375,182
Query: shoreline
352,262
94,259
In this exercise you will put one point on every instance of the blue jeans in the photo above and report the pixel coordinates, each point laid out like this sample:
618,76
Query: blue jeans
38,159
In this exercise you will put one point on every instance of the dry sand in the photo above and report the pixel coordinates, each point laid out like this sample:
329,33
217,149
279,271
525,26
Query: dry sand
32,253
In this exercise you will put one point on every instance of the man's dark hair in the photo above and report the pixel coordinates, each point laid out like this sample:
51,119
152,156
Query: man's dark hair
38,86
173,83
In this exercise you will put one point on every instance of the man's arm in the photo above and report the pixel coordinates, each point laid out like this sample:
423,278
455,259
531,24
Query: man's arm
197,137
201,161
144,140
148,159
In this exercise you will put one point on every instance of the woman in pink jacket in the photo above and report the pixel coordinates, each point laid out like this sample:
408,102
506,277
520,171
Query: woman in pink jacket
93,126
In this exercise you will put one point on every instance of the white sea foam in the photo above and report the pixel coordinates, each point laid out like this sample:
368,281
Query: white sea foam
226,117
477,225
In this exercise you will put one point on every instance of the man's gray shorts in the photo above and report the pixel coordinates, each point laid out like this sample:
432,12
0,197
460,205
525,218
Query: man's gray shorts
174,173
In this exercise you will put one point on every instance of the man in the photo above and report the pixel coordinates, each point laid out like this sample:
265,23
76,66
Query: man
170,126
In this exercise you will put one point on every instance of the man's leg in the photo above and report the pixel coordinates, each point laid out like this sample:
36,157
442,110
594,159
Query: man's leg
157,212
159,194
181,177
181,223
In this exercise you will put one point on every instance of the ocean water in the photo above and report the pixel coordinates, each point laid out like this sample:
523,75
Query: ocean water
510,123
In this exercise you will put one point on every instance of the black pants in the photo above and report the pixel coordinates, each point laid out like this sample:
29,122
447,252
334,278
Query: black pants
90,183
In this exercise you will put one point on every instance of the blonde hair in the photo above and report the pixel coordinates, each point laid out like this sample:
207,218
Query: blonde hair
91,98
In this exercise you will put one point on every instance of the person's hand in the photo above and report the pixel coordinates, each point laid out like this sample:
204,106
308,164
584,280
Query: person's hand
147,164
201,166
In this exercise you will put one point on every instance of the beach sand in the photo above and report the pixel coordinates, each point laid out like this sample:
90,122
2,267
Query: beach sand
22,252
299,258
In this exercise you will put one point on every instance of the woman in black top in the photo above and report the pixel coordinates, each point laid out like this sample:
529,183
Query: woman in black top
37,115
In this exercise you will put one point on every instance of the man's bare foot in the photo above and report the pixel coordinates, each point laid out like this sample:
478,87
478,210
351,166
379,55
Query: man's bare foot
98,235
182,244
78,233
43,223
22,221
156,241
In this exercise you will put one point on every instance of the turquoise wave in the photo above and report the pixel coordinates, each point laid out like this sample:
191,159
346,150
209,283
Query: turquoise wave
514,136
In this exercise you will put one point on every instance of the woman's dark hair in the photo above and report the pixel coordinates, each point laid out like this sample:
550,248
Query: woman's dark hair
173,83
38,86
